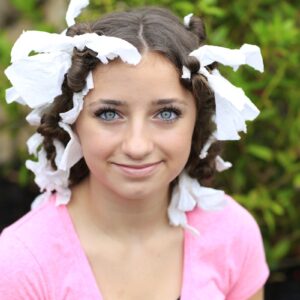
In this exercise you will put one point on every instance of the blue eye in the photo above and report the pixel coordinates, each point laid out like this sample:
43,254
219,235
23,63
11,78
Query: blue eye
166,115
107,114
169,114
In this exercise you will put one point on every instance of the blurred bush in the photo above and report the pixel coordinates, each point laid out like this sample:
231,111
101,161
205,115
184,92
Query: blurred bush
266,173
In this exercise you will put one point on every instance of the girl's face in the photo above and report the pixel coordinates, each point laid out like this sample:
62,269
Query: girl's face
136,126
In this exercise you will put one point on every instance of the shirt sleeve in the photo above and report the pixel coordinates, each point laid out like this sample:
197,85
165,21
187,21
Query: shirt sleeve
20,274
249,268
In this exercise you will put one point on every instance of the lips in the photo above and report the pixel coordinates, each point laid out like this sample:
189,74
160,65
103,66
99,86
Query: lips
138,170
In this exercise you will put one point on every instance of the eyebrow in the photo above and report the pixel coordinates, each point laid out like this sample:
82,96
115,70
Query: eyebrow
109,102
168,101
158,102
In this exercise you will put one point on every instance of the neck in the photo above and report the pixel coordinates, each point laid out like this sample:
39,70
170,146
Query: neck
102,211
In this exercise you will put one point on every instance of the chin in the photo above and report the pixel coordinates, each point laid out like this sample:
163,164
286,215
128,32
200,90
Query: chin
139,192
136,194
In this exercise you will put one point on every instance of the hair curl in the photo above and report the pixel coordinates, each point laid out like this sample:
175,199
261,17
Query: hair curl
148,29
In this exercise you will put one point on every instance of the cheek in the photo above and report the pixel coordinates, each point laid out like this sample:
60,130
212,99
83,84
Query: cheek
95,142
177,142
176,149
181,147
183,140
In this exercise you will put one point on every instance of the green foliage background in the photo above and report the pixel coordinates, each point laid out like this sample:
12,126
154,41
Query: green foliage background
266,173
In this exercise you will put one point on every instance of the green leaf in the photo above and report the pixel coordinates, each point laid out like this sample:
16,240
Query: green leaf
281,249
183,7
260,152
296,181
24,6
277,209
23,176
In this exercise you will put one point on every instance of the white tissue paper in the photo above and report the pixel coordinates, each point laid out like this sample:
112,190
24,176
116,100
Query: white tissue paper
247,54
38,79
70,116
72,153
188,194
74,10
222,165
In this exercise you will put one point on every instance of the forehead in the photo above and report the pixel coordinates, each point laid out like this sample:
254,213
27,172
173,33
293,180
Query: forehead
155,77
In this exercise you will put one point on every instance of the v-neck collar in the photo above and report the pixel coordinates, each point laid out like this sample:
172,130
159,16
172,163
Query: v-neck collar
81,258
87,271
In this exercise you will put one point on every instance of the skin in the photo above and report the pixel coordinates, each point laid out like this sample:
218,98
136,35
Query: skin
139,128
135,130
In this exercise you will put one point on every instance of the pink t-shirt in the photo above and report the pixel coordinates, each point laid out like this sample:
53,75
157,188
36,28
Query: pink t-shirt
41,257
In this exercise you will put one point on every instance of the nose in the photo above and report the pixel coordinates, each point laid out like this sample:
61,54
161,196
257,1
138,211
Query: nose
138,141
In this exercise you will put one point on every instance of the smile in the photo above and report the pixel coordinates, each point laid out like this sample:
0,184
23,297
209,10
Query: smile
138,170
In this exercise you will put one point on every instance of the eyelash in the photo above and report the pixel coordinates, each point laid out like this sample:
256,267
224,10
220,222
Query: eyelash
103,110
170,108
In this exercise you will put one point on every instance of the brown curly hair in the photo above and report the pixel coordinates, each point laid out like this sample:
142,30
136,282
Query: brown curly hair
148,29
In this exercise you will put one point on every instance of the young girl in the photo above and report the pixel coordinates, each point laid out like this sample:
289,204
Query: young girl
130,110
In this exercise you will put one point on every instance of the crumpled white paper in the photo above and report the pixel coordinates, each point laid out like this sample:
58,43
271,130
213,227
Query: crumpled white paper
188,194
48,179
246,55
37,79
233,107
66,157
12,96
34,142
209,142
178,217
35,116
222,165
74,10
70,116
187,20
186,73
45,42
73,152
